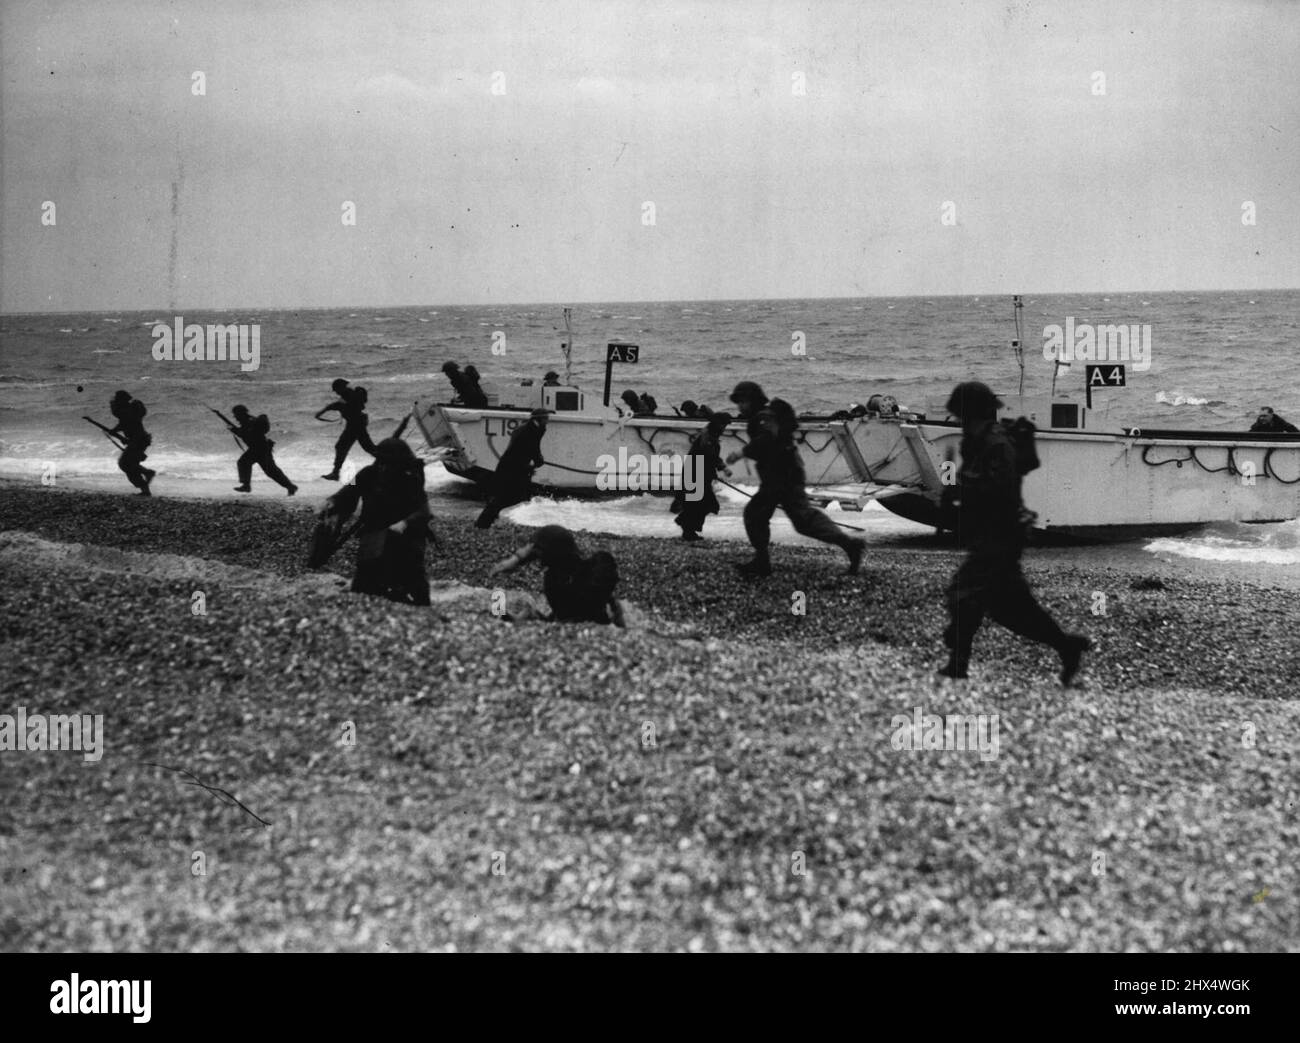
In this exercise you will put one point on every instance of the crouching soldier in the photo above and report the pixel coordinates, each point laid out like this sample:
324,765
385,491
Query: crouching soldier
578,589
394,524
991,521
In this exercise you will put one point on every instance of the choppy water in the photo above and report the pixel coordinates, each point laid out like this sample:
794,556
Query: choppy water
1216,357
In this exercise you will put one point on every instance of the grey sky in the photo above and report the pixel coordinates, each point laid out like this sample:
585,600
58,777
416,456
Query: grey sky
464,196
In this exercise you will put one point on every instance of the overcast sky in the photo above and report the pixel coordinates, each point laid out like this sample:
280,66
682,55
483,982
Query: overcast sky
462,195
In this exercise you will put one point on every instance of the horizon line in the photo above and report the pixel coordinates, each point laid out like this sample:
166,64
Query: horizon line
666,300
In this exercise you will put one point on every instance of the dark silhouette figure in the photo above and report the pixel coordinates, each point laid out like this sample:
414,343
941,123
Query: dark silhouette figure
465,385
578,589
1270,423
254,433
782,483
513,480
706,453
130,413
394,524
452,370
630,399
992,522
351,406
647,405
473,394
551,379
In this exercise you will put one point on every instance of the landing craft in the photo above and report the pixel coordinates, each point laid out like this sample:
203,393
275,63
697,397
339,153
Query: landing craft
1097,479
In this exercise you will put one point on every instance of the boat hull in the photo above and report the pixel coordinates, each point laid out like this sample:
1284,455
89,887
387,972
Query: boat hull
1112,485
602,454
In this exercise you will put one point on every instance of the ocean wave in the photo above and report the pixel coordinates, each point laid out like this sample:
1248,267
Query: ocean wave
1273,544
1182,398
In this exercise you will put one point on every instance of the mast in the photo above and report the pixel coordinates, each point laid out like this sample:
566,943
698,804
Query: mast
566,345
1018,345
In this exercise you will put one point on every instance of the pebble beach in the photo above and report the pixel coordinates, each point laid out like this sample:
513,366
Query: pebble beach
351,774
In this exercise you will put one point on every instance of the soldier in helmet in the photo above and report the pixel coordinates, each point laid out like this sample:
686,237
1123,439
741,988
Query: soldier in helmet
130,413
990,522
578,588
351,406
771,428
254,432
394,524
513,480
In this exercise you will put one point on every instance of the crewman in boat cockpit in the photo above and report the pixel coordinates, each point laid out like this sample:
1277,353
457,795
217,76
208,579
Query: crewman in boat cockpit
990,522
1269,422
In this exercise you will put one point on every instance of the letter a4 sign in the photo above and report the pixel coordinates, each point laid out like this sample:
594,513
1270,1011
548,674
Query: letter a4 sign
1105,376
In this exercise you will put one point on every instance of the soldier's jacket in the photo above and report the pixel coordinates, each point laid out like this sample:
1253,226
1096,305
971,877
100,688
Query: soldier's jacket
130,420
524,451
255,431
388,495
988,489
578,590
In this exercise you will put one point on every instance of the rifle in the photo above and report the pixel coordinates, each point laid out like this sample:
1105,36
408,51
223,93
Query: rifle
326,541
234,431
107,431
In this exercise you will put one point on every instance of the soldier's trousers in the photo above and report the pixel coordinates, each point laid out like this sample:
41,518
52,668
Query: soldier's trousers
507,490
131,463
390,565
990,582
806,519
244,465
352,435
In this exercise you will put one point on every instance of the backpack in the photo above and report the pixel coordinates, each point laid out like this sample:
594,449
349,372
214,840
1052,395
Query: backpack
1021,432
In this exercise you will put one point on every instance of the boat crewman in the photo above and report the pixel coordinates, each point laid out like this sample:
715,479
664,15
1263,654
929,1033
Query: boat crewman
394,524
578,589
513,481
992,522
351,406
471,393
632,400
1270,423
782,483
551,379
689,410
705,465
130,413
254,432
452,370
647,406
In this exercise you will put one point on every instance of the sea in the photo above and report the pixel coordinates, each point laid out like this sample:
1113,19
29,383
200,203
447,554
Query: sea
1216,357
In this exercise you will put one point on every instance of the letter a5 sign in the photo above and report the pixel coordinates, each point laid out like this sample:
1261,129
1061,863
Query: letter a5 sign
620,352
